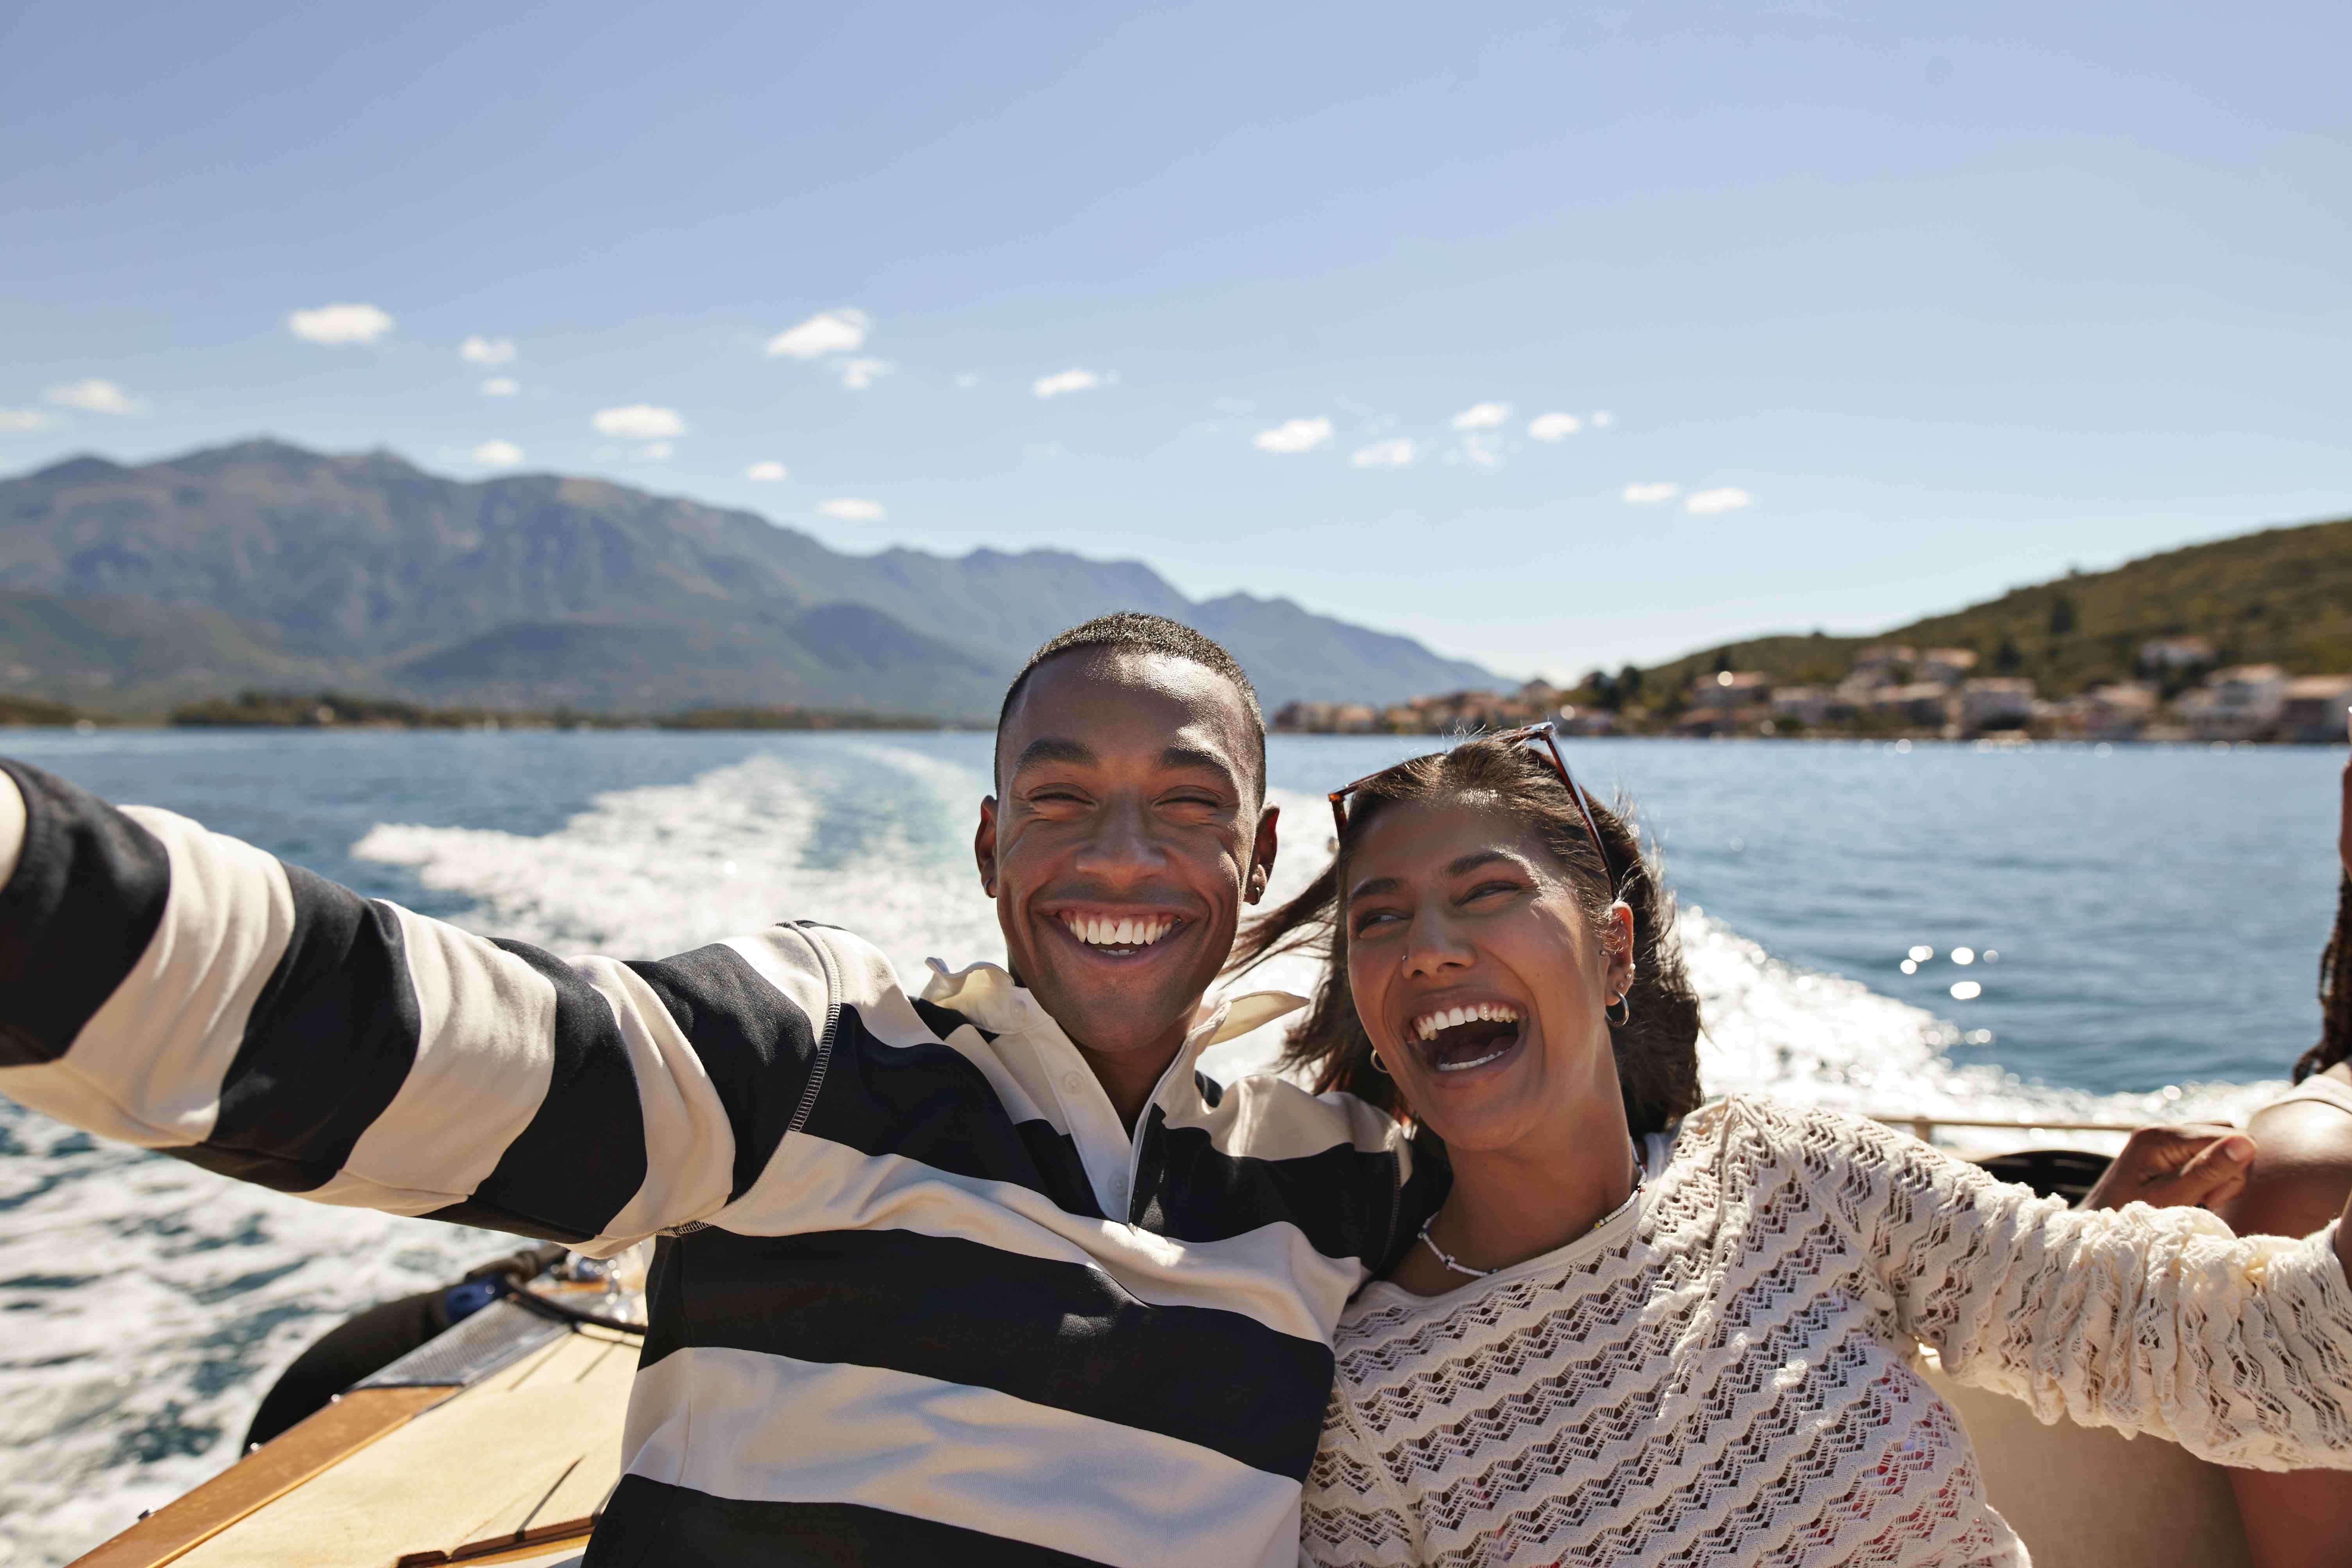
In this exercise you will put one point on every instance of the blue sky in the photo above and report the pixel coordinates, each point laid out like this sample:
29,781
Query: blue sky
1882,309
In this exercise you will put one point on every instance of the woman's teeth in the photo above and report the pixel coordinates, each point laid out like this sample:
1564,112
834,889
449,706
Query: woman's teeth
1455,1039
1127,933
1428,1023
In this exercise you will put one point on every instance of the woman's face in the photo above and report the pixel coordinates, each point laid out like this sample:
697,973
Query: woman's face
1477,976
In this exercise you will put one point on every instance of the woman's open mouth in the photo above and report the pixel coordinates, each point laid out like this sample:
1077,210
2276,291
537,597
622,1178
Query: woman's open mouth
1458,1038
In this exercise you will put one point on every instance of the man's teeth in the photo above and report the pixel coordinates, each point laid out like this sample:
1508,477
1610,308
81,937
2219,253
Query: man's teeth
1428,1025
1098,931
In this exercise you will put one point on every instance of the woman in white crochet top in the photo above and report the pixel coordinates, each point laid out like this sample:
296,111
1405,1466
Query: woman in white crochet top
1644,1331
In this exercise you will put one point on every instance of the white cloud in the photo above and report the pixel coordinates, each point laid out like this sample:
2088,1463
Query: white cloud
1295,436
854,509
639,422
654,452
1707,503
1392,452
1071,380
1481,416
967,380
482,351
26,421
768,472
1046,451
95,396
842,331
338,326
500,387
857,374
1479,451
1642,495
496,454
1554,426
1602,419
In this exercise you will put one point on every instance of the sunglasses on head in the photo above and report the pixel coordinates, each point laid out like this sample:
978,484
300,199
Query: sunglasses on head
1339,797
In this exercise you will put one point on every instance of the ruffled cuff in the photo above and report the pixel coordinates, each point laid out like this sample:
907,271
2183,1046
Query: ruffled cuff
2308,1273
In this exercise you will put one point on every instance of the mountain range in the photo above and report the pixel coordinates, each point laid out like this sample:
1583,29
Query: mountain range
266,565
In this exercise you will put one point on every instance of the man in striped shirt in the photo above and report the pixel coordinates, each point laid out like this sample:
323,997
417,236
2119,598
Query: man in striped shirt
989,1274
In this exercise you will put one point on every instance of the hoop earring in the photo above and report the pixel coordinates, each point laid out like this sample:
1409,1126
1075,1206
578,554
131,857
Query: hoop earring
1379,1066
1625,1015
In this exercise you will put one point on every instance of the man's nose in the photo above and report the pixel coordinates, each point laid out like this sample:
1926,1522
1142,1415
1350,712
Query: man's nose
1122,846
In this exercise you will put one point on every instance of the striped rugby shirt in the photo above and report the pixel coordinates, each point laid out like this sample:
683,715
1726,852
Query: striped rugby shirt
919,1297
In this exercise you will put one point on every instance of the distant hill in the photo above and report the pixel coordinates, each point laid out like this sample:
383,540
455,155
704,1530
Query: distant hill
2281,596
265,565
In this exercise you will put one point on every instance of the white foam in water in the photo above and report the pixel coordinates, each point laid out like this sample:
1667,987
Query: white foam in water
150,1302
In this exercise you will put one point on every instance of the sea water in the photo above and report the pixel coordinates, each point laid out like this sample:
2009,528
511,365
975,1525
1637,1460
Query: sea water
2143,927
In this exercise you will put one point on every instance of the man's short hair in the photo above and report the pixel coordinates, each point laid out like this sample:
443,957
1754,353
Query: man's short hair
1138,631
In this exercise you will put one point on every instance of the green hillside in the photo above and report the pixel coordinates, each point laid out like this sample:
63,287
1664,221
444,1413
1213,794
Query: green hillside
2281,597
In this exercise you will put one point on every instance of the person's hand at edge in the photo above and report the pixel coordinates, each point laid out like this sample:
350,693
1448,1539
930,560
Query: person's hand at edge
2193,1165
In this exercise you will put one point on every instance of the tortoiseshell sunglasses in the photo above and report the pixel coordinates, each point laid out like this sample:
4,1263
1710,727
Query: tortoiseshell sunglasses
1339,797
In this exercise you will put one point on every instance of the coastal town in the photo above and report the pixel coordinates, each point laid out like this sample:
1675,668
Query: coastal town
2179,695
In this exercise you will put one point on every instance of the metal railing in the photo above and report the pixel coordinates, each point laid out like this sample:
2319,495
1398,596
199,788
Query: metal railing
1924,1127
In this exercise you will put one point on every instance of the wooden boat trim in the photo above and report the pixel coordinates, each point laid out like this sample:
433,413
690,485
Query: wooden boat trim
315,1443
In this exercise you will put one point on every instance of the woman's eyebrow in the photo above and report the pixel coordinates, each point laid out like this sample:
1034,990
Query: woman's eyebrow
1478,857
1374,886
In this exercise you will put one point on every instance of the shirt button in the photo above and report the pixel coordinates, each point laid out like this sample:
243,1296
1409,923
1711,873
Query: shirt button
1070,1081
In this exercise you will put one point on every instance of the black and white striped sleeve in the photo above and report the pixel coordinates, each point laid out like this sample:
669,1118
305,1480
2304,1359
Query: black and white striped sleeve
182,990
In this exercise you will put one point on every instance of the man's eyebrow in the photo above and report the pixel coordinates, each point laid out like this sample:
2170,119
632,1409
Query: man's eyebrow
1195,757
1055,749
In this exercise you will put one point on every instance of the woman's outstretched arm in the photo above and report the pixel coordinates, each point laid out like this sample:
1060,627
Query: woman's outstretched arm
2148,1319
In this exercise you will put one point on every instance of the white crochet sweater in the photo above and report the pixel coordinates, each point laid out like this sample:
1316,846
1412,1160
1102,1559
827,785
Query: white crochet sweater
1721,1371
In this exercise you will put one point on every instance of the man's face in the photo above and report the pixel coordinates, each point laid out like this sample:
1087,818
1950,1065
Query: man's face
1129,833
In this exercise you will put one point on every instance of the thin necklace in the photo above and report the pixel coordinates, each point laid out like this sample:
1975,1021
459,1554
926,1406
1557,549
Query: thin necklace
1447,1259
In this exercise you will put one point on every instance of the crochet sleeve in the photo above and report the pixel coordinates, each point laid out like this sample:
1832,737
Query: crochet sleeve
1353,1516
2155,1320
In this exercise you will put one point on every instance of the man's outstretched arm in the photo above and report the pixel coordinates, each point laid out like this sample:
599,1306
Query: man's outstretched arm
181,990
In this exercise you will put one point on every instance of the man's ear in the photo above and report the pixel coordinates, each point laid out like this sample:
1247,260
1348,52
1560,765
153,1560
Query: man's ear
1261,869
983,845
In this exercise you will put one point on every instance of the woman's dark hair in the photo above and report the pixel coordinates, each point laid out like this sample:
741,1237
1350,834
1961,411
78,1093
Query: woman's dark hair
2335,993
1657,1048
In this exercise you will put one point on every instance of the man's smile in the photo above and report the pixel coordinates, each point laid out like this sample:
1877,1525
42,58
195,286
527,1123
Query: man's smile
1109,932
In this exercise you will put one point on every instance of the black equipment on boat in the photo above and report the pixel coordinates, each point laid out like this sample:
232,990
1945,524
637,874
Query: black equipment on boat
368,1342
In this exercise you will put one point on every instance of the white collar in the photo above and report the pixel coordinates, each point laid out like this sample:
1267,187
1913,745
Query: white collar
988,996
